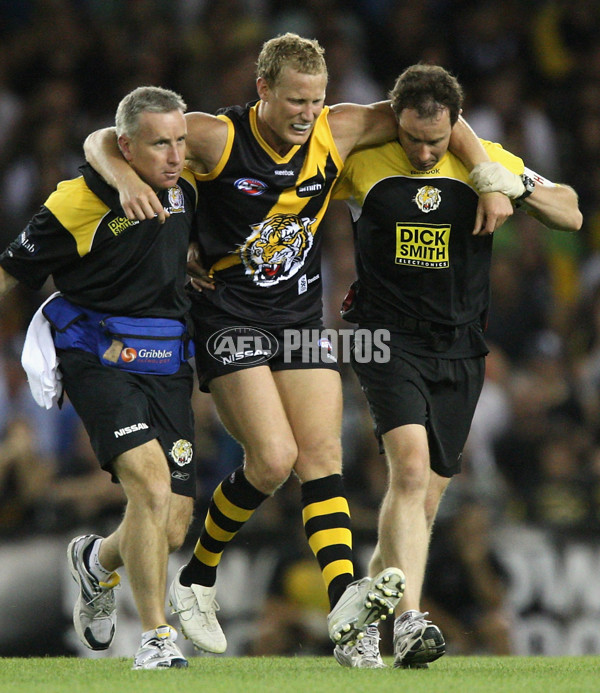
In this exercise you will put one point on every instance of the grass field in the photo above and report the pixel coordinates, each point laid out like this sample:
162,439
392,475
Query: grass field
302,675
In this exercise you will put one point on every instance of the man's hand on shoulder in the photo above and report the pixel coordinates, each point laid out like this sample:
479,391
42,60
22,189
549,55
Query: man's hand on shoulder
139,201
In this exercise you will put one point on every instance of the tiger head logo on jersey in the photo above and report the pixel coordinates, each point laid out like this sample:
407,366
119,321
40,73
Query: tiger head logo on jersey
277,248
428,198
176,200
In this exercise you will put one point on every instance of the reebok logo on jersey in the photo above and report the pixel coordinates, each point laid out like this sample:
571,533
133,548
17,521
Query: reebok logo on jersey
130,429
430,172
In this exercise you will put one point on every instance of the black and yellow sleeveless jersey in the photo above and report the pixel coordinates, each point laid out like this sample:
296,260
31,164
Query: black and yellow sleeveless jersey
416,255
101,260
259,218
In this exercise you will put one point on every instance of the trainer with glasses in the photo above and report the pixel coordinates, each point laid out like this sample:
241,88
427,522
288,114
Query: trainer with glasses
265,173
425,276
115,336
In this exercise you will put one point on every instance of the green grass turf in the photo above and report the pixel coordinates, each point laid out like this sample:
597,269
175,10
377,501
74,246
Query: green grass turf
302,674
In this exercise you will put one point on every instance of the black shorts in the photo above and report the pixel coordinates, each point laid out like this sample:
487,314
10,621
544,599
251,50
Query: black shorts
121,411
225,345
440,394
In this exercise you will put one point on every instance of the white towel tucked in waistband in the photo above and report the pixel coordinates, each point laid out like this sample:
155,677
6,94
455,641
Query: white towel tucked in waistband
40,361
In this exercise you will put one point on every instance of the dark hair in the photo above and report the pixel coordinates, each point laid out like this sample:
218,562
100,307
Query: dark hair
427,89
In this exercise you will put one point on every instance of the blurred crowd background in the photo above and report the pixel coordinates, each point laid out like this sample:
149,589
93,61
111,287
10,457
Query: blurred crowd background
515,555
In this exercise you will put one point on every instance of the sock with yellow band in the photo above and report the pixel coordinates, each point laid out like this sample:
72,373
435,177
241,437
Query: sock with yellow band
326,519
232,505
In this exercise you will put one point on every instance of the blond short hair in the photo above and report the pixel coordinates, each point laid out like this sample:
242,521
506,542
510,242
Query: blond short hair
290,50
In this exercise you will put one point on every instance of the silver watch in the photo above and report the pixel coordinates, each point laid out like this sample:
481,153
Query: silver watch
529,184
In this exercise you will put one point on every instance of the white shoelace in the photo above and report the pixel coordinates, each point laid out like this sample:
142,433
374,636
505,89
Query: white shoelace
104,601
416,620
368,646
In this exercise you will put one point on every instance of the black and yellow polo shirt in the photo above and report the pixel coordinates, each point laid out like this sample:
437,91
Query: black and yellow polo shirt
101,260
416,255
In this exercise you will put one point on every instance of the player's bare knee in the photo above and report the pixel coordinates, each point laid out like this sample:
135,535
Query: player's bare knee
270,478
319,459
411,475
144,475
148,485
268,468
156,497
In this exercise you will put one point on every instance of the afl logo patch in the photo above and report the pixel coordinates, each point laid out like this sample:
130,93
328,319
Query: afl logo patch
128,354
245,346
250,186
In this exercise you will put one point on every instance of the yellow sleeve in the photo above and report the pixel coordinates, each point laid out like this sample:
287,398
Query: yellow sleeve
497,153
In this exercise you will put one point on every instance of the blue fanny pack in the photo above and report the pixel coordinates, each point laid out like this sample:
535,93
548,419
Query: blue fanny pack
155,346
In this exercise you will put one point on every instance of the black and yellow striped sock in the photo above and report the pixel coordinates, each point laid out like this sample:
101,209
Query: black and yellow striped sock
231,506
326,518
